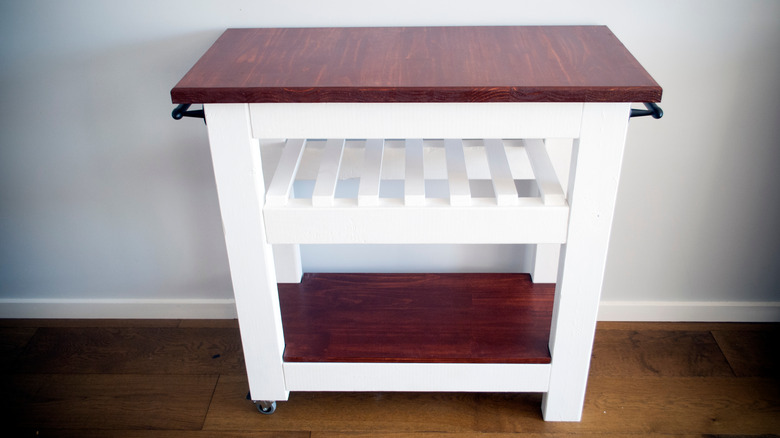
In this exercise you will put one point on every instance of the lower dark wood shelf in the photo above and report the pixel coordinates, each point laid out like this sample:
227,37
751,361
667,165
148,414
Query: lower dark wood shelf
419,318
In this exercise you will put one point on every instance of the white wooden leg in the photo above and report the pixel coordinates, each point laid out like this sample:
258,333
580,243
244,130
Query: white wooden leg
287,259
597,159
239,176
544,257
544,267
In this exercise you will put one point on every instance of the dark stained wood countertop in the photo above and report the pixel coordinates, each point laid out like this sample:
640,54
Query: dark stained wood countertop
418,64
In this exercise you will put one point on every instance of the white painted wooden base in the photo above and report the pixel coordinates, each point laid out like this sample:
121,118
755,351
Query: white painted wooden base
575,210
302,376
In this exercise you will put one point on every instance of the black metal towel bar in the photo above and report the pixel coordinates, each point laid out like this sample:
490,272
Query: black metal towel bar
652,110
182,111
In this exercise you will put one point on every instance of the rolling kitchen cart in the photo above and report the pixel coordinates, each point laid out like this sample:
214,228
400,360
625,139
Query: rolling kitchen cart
426,135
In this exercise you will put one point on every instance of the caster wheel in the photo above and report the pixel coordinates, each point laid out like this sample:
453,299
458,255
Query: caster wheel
266,407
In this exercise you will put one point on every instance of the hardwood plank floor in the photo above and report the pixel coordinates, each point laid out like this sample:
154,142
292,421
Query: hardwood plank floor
171,378
143,350
107,401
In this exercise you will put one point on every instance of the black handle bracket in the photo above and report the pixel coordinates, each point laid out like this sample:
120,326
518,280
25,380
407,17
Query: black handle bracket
652,110
182,111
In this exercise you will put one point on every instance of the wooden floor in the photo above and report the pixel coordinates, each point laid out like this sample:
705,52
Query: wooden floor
171,378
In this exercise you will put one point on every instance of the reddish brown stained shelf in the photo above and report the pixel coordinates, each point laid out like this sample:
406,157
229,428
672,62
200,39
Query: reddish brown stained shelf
417,318
418,64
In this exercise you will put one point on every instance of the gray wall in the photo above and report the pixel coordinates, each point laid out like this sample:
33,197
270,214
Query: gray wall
108,206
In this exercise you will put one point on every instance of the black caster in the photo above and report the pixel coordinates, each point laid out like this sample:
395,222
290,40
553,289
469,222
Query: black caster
266,407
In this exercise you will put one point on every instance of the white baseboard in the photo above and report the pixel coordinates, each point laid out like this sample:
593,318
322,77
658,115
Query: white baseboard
690,311
118,308
686,311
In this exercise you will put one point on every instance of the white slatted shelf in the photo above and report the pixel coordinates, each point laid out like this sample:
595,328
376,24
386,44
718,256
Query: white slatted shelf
457,213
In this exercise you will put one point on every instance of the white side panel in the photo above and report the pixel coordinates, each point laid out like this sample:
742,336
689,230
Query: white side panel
302,376
240,186
596,171
415,120
436,222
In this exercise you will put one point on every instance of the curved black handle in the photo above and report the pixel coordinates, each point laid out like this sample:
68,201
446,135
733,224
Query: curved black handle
181,111
652,110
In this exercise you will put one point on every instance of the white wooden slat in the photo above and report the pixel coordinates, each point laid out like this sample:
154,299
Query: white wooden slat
413,377
460,193
500,172
414,180
281,185
546,178
368,192
328,175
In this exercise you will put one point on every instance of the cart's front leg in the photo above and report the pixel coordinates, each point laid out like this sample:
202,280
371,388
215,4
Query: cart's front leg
597,158
239,176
